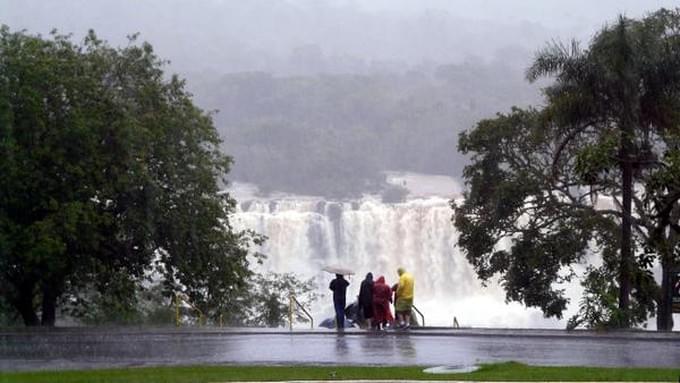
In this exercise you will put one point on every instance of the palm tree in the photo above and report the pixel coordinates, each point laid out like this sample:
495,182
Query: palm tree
618,97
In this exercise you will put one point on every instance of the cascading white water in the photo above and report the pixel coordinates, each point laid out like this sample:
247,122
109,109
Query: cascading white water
306,234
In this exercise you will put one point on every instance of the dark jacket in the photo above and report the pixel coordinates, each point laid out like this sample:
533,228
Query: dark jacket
366,291
339,287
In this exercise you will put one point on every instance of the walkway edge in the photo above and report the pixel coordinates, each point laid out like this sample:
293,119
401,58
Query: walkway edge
445,381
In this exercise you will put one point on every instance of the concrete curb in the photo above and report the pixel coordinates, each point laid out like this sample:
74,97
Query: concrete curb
442,381
416,332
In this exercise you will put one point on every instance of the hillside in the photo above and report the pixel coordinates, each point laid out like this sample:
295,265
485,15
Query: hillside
334,135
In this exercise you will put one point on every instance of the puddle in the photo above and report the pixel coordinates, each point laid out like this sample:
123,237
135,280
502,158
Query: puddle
455,369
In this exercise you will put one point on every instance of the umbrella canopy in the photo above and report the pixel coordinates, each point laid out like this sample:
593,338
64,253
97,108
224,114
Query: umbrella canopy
334,269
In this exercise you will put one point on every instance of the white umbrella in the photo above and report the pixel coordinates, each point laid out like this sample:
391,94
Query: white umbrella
335,269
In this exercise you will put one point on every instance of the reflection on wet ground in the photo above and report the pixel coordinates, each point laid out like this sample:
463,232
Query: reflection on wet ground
96,348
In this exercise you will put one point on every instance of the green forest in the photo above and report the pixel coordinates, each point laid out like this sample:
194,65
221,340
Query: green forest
335,135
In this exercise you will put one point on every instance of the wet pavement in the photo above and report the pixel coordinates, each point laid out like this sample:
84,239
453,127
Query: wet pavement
76,348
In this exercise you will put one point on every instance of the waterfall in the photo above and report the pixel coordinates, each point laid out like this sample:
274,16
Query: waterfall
305,234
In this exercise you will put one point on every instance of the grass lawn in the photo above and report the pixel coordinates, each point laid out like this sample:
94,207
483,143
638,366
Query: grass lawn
194,374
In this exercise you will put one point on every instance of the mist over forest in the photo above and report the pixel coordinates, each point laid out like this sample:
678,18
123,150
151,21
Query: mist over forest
322,97
334,135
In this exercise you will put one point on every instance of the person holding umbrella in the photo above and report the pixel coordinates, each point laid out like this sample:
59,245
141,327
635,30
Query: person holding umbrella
339,288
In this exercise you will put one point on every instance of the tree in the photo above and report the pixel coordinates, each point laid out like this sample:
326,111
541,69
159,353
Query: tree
109,176
513,198
269,297
598,91
609,116
626,85
659,207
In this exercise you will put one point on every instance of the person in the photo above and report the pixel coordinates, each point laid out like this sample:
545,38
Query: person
382,296
339,288
366,299
404,298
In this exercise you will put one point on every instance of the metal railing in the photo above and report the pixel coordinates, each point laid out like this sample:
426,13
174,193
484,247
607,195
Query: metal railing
181,297
291,311
422,317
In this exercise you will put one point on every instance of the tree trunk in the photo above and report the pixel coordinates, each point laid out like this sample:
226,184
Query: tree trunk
24,304
49,306
628,95
626,234
664,313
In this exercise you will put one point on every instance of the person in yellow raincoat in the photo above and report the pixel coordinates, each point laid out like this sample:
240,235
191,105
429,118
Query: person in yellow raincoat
404,298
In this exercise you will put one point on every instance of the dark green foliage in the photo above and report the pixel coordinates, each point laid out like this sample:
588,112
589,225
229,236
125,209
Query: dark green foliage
9,317
334,135
127,306
610,126
265,303
269,297
108,173
599,305
513,200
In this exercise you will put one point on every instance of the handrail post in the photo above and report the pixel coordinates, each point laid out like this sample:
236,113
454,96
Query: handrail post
311,319
422,317
185,299
291,298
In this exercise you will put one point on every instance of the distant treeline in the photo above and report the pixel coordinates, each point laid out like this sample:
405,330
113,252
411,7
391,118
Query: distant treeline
333,135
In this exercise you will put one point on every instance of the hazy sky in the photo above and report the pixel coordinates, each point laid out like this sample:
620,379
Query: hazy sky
301,36
562,13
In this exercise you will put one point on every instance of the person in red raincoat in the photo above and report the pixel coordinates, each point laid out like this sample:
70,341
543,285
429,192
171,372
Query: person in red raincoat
382,296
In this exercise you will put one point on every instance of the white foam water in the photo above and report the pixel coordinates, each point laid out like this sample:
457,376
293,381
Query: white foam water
305,234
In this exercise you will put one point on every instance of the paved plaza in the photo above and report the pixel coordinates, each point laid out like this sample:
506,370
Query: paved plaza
76,348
